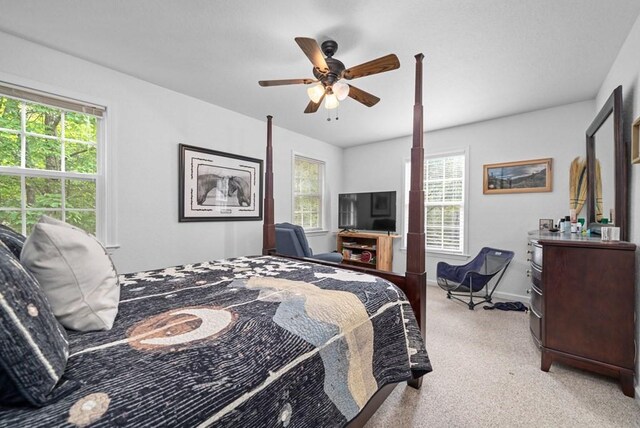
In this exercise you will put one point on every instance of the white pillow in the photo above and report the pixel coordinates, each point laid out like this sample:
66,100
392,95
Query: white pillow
76,274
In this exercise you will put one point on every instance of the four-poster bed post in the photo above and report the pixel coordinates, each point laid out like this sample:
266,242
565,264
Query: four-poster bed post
269,228
416,274
414,282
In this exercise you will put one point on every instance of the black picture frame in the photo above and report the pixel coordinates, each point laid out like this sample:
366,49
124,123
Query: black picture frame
218,186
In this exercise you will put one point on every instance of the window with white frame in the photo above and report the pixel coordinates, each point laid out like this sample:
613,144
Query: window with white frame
50,164
308,191
444,204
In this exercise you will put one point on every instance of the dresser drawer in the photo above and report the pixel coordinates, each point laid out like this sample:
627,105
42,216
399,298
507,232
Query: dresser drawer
535,325
536,300
536,255
536,276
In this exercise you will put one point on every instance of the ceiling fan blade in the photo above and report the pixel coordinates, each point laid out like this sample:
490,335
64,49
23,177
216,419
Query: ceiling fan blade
313,107
380,65
286,82
362,96
312,51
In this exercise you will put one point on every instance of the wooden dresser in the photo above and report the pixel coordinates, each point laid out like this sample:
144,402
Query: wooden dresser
583,303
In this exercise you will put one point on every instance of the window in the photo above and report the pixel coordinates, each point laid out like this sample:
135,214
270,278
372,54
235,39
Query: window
308,189
445,195
49,160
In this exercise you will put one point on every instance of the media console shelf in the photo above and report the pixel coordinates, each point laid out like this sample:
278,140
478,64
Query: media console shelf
354,247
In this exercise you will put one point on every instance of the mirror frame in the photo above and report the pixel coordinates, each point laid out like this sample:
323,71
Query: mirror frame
613,105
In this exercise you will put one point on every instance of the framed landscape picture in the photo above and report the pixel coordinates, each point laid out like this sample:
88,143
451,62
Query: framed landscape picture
218,186
518,177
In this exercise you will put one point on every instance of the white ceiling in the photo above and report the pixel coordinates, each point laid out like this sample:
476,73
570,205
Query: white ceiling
484,59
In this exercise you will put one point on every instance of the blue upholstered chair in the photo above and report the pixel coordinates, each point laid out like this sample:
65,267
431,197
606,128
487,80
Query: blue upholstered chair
291,241
469,279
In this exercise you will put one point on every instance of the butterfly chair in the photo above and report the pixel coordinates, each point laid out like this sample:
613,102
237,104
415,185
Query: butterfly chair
469,280
292,241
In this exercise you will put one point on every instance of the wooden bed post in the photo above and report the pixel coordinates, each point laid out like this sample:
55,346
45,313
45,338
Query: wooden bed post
269,228
416,274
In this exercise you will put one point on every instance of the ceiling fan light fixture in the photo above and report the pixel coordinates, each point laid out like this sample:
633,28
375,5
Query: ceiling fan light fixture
331,102
341,90
315,93
328,73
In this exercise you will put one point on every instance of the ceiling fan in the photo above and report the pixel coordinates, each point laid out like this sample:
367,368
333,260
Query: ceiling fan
329,73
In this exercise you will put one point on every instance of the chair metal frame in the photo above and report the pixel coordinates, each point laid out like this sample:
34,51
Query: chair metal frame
450,286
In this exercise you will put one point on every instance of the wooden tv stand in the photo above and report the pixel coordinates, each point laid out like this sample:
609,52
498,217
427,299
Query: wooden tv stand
353,244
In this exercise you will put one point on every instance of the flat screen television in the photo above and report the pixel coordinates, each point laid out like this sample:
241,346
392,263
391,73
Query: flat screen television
367,211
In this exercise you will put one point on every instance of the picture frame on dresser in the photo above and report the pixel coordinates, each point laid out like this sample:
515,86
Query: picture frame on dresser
218,186
545,224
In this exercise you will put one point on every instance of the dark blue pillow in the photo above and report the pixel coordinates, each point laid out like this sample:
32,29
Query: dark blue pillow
12,239
33,345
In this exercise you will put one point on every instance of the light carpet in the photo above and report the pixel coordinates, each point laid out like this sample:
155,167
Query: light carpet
486,373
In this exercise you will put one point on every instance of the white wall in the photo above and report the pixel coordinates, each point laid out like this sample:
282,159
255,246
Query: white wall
625,71
500,221
146,123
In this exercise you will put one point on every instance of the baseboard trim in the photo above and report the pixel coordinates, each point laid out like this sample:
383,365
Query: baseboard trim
511,297
638,393
500,295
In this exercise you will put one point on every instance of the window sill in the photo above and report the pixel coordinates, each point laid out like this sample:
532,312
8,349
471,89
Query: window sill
315,232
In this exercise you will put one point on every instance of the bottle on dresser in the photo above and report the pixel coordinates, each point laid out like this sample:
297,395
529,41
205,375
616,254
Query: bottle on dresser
574,221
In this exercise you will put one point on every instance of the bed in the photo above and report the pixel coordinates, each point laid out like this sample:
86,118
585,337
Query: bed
251,341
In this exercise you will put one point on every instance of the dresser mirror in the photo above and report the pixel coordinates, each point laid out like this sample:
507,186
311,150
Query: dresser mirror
607,167
605,185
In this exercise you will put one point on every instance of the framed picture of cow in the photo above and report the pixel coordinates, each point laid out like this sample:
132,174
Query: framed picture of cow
218,186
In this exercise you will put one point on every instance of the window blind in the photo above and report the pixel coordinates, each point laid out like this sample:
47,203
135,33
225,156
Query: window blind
52,100
444,203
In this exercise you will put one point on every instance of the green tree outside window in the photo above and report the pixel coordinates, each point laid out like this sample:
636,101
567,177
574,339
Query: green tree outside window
48,165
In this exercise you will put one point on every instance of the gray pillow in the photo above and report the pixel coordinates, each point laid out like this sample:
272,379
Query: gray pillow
33,345
76,274
12,239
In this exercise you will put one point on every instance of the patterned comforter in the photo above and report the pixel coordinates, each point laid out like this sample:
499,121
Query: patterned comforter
245,342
